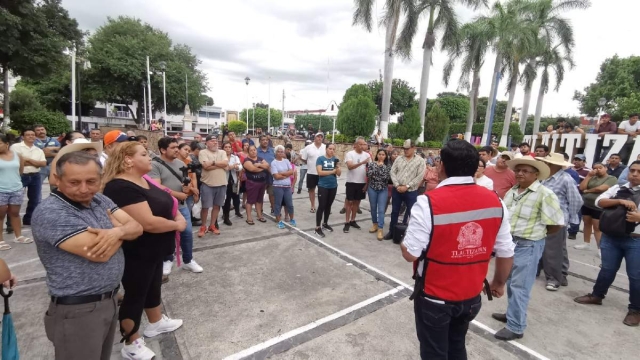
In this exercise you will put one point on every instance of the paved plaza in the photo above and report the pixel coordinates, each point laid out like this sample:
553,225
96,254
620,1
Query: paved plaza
286,294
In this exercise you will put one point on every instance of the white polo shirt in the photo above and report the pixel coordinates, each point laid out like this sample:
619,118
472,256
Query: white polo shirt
359,174
311,154
29,152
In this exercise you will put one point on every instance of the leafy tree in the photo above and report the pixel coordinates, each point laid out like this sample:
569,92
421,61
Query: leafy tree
357,90
316,121
33,35
357,117
237,126
483,103
118,68
456,107
262,105
618,79
408,126
24,99
55,122
403,96
261,118
628,105
437,124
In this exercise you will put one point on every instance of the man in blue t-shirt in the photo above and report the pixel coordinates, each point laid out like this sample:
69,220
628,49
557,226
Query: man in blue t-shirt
49,145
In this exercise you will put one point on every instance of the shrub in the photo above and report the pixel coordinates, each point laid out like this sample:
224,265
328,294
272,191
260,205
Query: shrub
436,124
238,127
55,122
342,139
357,117
397,142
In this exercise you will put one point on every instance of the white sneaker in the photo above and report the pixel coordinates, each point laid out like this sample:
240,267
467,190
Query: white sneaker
192,266
137,350
582,246
165,325
166,267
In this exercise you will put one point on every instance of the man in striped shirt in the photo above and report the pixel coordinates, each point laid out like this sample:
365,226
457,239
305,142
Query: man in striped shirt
534,213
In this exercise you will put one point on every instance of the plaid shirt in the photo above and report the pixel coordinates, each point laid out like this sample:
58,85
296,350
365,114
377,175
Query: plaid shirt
408,172
563,185
532,210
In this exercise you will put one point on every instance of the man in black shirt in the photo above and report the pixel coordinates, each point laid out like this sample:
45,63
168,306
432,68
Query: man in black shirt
615,166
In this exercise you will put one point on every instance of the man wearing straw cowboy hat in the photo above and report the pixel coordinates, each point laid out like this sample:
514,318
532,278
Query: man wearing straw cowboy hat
534,212
94,148
555,259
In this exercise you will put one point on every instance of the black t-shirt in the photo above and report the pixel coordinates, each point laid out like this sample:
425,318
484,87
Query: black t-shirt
148,245
253,176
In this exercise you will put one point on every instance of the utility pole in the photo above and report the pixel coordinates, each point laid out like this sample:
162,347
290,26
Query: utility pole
283,106
269,109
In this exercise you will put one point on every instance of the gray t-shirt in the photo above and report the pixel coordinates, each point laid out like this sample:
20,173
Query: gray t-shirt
159,171
57,219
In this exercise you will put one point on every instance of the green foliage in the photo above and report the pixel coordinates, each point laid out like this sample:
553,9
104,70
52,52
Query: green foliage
397,142
118,68
237,127
456,107
514,130
618,82
403,96
501,109
55,122
317,121
436,124
342,139
261,118
408,126
357,90
357,117
628,105
24,99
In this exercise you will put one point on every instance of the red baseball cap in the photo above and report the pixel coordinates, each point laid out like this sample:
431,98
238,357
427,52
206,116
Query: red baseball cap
114,136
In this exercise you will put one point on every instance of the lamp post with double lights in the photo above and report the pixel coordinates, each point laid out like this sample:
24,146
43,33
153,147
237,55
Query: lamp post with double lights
163,68
246,81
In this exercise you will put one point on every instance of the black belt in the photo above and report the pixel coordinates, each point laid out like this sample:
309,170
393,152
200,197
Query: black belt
86,299
31,174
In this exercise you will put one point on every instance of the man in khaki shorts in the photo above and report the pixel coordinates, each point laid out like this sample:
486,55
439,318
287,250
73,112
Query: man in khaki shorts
214,183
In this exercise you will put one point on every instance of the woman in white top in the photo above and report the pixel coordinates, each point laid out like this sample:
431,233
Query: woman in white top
233,188
480,178
11,191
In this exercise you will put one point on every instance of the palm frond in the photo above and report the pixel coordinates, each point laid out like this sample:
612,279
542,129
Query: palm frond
363,14
409,29
561,6
447,20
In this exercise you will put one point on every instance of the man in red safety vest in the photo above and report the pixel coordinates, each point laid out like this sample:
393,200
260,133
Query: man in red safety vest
451,236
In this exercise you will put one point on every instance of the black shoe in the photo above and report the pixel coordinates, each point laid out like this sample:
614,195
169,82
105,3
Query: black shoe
389,236
500,317
319,232
572,236
506,334
9,230
238,215
327,227
195,222
564,281
299,191
227,222
343,211
355,225
26,222
346,228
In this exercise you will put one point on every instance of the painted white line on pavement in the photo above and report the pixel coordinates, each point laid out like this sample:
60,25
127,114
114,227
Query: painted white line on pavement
475,322
593,266
254,349
23,262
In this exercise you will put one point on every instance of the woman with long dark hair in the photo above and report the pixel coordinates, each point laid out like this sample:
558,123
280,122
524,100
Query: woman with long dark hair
70,137
378,175
156,210
257,170
328,172
233,175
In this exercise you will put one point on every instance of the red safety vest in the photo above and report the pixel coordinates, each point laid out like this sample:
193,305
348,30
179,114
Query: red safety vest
466,221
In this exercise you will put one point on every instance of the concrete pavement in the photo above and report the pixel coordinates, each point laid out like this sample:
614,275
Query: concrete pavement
286,294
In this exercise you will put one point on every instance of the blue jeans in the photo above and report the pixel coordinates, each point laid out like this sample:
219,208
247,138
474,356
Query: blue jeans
614,249
44,173
34,193
521,280
186,238
281,193
378,204
397,199
303,173
190,202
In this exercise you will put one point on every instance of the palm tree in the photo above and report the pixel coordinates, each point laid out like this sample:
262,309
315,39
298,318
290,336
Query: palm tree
447,21
391,20
551,58
474,41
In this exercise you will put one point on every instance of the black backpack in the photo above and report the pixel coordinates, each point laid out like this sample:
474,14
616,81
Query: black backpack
613,220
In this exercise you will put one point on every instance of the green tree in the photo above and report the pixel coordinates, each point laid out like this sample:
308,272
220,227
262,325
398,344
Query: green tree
456,108
33,35
24,99
483,103
237,126
118,68
437,125
316,121
357,90
617,79
357,117
628,105
403,96
261,118
55,122
445,21
551,59
408,126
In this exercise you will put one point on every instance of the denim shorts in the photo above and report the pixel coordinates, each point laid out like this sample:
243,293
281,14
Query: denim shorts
11,198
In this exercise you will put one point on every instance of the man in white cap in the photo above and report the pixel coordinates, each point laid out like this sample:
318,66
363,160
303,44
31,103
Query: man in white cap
311,153
555,259
534,212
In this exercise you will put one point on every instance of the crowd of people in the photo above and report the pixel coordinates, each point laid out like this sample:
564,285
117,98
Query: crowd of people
120,215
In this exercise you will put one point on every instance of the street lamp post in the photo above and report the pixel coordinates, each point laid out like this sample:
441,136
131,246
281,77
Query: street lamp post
601,102
253,124
246,81
149,91
73,89
144,97
163,67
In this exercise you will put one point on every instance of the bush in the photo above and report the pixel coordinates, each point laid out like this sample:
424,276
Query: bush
408,126
342,139
237,127
478,128
357,117
397,142
55,122
316,121
436,124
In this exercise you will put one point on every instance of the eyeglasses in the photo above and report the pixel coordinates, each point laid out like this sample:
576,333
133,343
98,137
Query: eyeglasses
523,171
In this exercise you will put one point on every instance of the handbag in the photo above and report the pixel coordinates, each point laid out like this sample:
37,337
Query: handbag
613,220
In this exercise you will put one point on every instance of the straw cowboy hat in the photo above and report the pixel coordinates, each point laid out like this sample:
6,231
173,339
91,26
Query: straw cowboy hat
543,169
77,145
555,159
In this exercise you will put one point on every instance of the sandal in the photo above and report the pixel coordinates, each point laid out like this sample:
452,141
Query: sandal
262,220
4,246
23,240
313,210
250,222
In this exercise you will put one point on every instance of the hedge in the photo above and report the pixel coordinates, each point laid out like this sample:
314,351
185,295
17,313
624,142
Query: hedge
478,128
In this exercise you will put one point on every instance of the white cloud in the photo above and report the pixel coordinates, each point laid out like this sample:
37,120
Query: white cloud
310,49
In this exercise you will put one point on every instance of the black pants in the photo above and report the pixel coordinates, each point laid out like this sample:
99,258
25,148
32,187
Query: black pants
325,200
442,328
226,208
